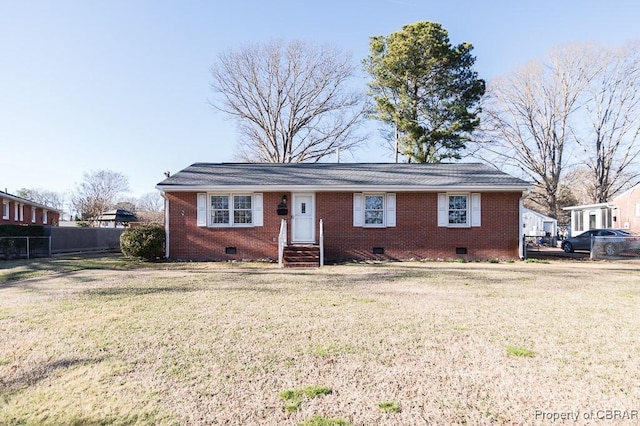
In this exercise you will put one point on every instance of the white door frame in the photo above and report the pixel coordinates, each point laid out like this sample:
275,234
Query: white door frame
311,212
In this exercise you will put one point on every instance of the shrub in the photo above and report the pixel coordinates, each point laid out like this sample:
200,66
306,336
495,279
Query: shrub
10,230
146,242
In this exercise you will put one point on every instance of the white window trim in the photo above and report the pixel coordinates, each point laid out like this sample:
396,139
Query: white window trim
5,209
388,210
45,217
474,211
204,210
364,210
34,217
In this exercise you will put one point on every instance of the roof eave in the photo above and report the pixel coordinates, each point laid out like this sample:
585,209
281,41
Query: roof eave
27,202
342,188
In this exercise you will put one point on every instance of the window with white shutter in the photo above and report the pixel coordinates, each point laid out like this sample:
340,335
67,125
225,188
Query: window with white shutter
374,210
225,210
459,210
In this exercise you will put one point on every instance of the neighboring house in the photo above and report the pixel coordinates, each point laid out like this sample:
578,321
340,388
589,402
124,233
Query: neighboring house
623,212
118,218
536,224
17,210
626,213
368,211
590,216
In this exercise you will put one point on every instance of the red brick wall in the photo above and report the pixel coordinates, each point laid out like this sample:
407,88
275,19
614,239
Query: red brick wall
187,241
416,235
53,218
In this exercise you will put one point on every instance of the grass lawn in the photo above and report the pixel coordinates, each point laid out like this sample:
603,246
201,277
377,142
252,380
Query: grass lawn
107,341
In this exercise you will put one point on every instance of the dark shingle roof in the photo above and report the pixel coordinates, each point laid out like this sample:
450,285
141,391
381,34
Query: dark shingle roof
340,176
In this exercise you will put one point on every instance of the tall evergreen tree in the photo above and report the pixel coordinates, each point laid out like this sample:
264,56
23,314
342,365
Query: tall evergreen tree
425,89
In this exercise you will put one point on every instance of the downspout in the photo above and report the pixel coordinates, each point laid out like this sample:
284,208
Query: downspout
166,224
521,247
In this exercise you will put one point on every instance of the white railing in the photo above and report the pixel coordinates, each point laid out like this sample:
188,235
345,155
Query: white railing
321,243
282,242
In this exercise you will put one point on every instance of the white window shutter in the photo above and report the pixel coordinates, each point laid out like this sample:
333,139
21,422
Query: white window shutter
443,210
358,212
475,209
258,215
202,210
391,210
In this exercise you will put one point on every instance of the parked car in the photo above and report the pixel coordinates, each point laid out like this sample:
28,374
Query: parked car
616,241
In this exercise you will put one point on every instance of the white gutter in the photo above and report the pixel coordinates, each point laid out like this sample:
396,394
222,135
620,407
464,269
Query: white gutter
338,188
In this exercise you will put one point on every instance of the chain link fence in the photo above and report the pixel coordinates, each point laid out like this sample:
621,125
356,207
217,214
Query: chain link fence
615,248
24,247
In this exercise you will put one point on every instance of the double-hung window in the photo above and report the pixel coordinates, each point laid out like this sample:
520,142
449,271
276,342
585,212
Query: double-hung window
220,211
374,210
229,210
458,210
242,210
226,210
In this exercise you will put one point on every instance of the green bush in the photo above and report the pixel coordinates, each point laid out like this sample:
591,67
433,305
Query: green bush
146,242
10,230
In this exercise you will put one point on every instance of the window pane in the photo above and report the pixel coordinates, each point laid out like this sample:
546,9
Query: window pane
220,216
457,216
242,202
220,202
373,202
242,216
373,217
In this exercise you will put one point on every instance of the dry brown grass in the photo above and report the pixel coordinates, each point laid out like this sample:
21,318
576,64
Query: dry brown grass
219,344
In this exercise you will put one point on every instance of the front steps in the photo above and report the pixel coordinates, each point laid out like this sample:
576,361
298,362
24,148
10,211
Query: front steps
302,256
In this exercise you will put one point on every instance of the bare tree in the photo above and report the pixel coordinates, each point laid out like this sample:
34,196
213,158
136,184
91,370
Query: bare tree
527,120
98,192
151,202
290,101
150,208
43,196
610,143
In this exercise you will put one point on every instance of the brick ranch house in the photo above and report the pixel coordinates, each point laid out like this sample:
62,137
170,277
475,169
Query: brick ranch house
359,211
18,211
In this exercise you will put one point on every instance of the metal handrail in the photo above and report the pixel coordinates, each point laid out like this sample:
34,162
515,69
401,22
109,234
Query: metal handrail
282,242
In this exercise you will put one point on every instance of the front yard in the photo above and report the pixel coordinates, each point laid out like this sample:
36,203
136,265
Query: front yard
105,341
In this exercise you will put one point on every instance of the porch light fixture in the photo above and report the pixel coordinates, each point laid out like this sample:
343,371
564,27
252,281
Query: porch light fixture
282,207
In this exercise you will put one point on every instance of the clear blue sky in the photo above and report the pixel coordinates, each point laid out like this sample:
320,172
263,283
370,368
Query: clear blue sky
124,84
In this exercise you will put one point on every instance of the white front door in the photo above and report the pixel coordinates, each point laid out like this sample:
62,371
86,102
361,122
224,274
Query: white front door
303,223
